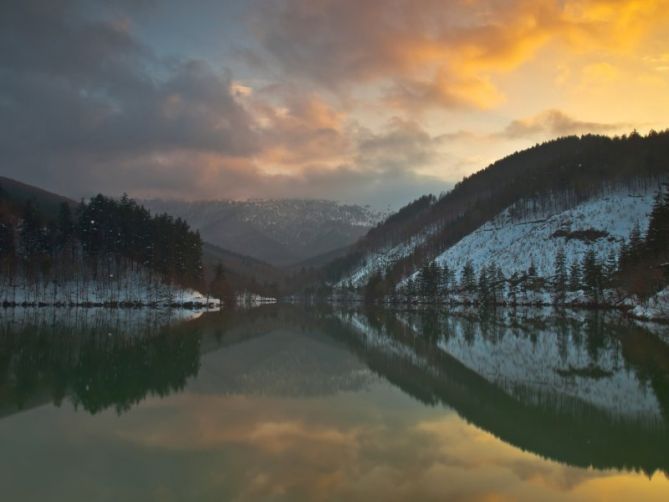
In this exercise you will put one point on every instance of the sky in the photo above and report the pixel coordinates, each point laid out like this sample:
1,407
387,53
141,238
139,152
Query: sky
364,101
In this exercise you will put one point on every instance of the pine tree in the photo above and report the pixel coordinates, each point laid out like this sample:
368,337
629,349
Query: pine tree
635,245
657,239
499,283
468,280
483,286
574,276
610,269
444,283
513,288
592,274
429,280
560,275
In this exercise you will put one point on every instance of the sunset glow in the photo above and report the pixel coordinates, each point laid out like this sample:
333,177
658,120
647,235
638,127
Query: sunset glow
366,101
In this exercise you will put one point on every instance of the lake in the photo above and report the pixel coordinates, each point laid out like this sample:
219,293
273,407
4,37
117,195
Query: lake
323,403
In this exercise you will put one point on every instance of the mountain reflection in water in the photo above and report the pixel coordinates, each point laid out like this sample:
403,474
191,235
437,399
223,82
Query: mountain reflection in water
268,384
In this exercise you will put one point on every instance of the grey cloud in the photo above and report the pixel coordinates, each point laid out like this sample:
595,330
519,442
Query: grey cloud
403,145
86,107
78,93
555,123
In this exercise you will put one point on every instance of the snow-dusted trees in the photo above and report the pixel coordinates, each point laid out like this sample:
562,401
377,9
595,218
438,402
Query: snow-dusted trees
560,277
574,276
657,239
123,229
430,278
105,239
593,276
644,263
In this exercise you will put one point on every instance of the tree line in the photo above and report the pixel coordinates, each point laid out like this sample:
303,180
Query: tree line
98,240
565,171
639,266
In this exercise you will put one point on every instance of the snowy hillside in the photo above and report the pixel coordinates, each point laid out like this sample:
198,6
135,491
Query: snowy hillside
514,243
136,288
602,223
279,232
538,368
546,367
378,261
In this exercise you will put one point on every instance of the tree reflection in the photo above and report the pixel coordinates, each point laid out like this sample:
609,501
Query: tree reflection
553,412
92,364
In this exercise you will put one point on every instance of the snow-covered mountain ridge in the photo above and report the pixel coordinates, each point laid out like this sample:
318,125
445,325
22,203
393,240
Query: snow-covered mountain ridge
280,232
539,368
530,233
514,244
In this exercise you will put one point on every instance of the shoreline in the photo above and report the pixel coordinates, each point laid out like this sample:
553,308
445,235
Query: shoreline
116,305
625,309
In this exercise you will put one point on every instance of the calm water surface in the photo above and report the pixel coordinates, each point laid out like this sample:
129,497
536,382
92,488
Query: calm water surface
287,403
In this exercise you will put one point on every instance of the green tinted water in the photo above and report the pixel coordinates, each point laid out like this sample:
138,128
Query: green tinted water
286,403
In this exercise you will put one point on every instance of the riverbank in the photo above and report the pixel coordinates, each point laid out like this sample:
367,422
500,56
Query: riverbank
653,309
136,291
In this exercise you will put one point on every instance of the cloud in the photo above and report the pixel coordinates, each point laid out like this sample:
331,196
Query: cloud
86,106
445,90
403,143
73,89
301,129
554,123
439,53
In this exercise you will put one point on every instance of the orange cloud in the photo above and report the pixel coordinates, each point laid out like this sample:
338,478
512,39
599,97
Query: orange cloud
263,447
297,129
442,53
552,123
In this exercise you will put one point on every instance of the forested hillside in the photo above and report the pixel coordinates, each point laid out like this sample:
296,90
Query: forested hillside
279,232
100,251
546,181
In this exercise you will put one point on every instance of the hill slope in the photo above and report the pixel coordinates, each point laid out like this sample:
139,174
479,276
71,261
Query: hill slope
19,193
573,193
279,232
244,272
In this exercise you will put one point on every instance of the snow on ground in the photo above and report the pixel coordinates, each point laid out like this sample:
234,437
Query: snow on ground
514,245
655,308
539,367
135,288
548,366
382,259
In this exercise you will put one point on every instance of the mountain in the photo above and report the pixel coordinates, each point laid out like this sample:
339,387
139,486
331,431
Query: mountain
279,232
19,193
545,384
588,199
243,272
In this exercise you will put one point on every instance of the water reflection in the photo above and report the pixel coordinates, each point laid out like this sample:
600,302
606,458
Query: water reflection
287,402
96,358
587,390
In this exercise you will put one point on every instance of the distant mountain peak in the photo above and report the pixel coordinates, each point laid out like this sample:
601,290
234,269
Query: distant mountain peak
278,231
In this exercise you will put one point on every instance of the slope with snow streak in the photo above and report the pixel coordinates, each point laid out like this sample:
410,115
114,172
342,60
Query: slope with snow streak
379,261
540,367
515,245
545,367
